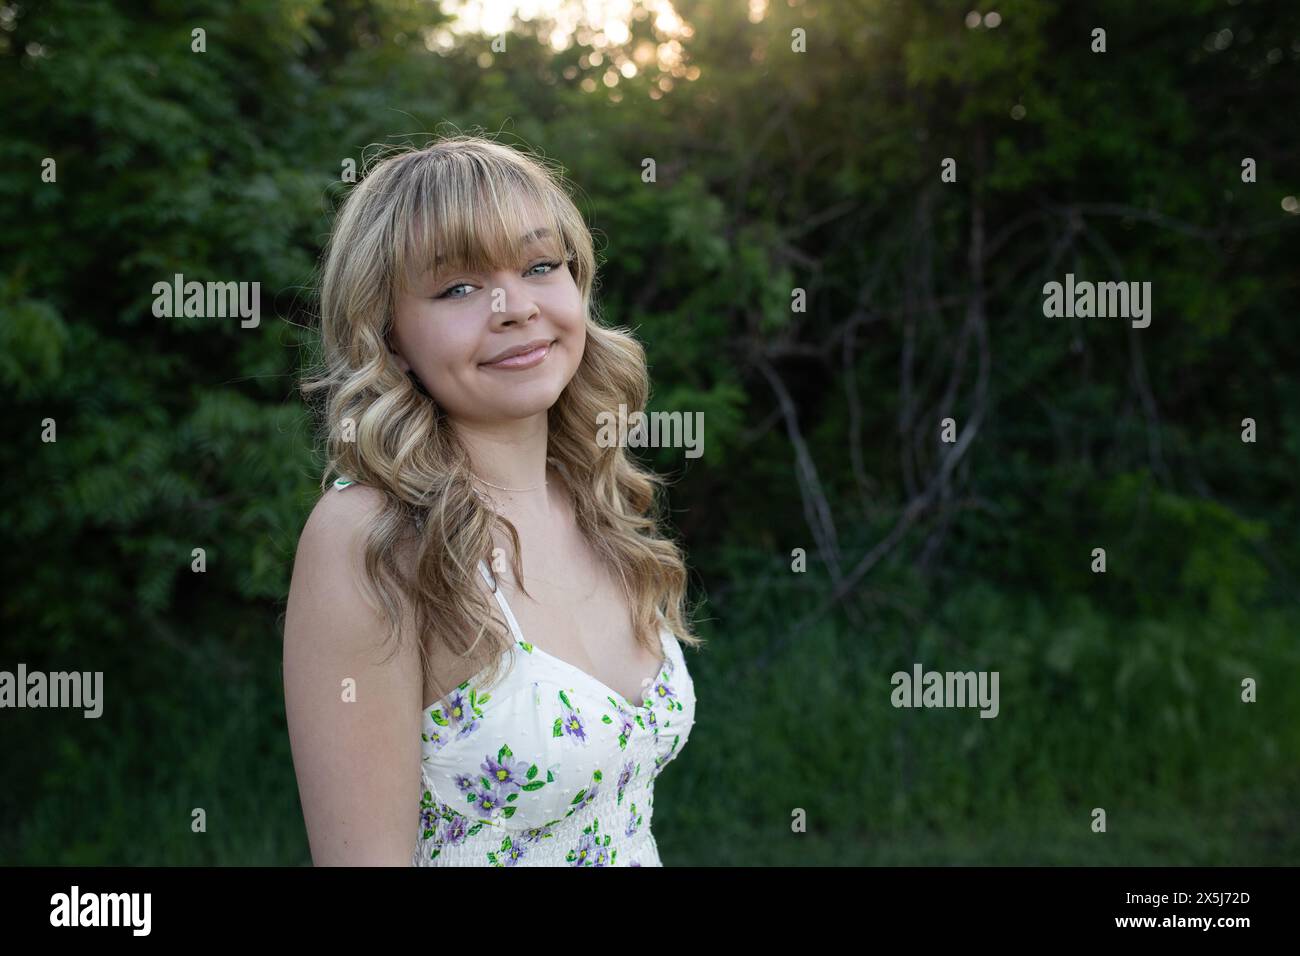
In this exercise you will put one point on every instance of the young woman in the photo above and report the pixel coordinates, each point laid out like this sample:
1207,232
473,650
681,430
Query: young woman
481,658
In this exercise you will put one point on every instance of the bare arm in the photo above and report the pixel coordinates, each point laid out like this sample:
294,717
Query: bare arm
357,761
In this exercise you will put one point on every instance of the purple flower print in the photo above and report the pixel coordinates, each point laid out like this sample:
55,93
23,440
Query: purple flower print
573,725
623,779
455,832
536,834
460,715
585,851
506,775
633,819
465,783
601,856
458,711
428,820
489,803
663,691
634,863
625,730
589,797
514,854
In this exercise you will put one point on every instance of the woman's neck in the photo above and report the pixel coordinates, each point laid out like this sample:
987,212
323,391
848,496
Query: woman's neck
510,458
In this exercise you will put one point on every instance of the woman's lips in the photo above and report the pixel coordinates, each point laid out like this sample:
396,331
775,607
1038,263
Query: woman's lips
524,360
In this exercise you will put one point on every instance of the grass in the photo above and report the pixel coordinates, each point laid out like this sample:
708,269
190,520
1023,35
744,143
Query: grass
1140,717
1143,719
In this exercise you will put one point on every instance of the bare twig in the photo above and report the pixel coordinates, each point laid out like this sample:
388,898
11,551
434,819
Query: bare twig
817,510
1141,381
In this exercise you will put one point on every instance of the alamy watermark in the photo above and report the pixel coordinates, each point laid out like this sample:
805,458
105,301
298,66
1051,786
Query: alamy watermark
208,300
75,689
1125,300
923,688
656,430
76,908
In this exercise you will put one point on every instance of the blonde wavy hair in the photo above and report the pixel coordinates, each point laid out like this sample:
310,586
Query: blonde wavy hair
460,197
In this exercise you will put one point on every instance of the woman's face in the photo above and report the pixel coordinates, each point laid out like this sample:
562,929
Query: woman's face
448,329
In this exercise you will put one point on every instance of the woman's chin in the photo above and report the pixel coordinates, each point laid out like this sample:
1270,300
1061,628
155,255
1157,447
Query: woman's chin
536,401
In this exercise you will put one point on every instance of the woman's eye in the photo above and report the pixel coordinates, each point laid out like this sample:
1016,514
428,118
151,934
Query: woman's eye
447,294
549,265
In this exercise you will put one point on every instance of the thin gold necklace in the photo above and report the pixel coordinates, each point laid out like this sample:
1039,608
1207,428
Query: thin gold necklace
503,488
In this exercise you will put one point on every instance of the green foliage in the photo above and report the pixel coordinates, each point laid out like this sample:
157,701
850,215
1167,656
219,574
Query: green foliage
775,170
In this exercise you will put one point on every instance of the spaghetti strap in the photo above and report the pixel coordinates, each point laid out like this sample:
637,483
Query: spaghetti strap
343,482
501,600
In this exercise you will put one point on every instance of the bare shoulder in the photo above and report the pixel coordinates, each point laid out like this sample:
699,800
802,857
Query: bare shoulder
352,707
341,512
331,547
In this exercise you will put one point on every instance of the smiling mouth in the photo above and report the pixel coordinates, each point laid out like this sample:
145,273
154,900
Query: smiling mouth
523,359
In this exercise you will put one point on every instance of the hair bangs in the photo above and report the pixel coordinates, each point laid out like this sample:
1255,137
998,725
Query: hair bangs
466,214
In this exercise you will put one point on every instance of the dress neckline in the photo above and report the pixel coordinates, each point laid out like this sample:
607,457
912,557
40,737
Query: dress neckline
533,648
648,696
